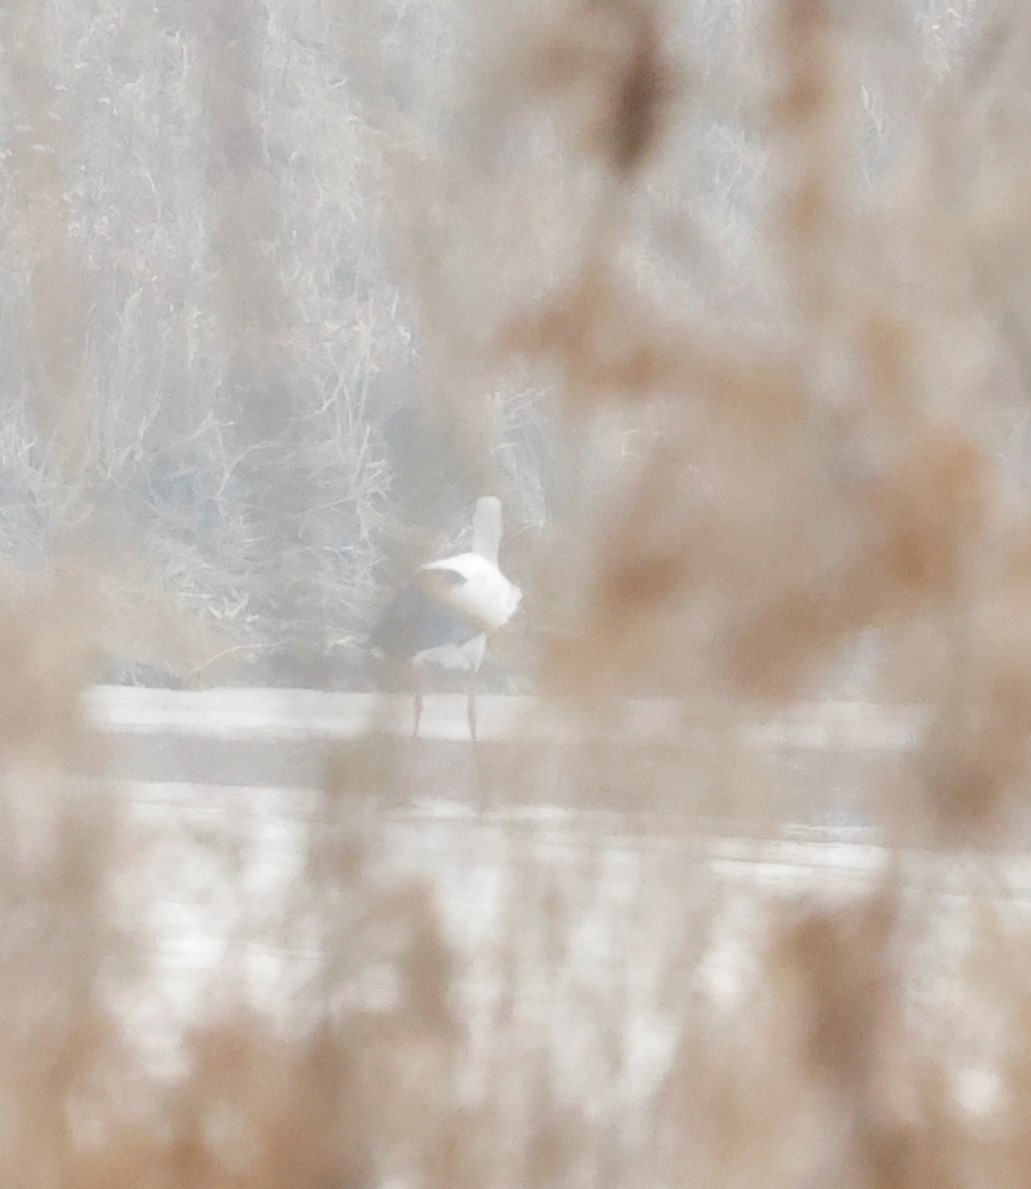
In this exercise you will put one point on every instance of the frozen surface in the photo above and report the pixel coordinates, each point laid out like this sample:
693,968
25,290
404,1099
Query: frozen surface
565,919
298,713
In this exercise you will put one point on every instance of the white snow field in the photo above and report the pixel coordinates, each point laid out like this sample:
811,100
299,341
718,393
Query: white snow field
563,918
551,913
307,714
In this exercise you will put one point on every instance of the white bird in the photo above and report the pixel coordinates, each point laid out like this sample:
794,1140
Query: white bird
450,609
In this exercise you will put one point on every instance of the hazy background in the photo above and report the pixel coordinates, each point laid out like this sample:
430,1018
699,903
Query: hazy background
271,274
729,303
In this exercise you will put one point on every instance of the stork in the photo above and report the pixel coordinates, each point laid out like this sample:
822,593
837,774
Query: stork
446,614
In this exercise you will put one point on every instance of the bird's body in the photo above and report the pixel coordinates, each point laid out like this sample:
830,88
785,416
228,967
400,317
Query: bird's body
445,616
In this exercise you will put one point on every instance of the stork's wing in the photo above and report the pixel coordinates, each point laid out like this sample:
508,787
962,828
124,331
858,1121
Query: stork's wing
438,581
420,617
456,594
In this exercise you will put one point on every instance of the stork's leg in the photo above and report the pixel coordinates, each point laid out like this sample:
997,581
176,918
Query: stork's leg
480,775
471,709
417,709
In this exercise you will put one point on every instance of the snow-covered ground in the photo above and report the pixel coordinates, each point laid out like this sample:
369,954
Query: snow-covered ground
559,920
545,909
307,714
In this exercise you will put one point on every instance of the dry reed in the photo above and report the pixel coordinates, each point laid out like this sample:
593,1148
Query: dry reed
734,301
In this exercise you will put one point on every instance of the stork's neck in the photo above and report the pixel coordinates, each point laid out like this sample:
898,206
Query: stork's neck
487,528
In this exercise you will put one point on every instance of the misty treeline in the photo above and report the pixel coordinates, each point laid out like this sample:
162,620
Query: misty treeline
268,284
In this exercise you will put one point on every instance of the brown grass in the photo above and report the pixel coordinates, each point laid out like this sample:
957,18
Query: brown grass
756,276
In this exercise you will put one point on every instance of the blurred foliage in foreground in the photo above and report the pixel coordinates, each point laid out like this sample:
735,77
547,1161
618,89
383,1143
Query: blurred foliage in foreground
729,303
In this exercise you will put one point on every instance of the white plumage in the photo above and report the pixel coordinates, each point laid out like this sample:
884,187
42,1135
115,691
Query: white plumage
452,606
